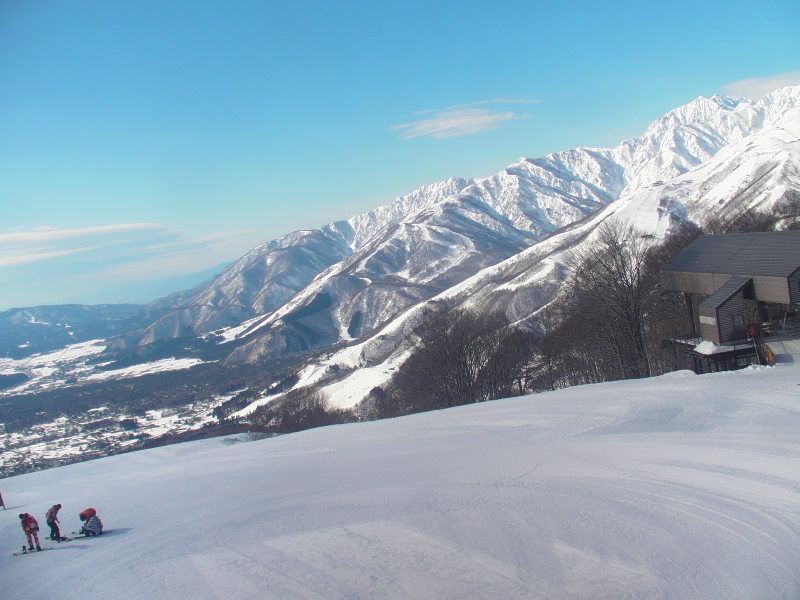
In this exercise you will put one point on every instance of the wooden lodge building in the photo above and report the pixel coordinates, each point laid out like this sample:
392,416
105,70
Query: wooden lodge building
738,273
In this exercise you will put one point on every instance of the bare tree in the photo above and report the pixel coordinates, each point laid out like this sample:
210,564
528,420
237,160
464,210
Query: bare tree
300,409
611,288
785,215
459,356
614,317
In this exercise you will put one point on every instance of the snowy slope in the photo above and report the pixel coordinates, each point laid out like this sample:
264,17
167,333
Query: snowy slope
678,487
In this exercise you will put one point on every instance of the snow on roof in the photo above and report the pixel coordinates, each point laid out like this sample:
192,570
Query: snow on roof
709,347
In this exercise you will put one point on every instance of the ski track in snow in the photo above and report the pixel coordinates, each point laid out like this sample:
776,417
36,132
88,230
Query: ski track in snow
676,487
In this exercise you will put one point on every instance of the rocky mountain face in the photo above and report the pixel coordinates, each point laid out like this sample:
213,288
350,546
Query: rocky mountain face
491,242
269,275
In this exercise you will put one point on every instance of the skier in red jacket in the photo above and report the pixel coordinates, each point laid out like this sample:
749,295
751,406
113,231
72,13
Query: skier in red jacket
30,526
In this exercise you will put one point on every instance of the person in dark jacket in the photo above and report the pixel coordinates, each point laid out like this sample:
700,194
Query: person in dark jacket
31,528
52,522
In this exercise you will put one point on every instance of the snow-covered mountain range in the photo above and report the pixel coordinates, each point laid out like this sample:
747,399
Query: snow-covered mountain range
347,279
492,242
358,287
330,309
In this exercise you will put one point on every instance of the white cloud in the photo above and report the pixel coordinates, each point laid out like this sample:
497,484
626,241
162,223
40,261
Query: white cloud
179,258
211,239
44,243
481,103
49,234
130,247
20,259
43,265
461,119
453,123
758,87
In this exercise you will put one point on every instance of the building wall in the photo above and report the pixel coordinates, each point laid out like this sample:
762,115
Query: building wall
725,323
697,283
772,289
708,324
767,289
731,319
794,287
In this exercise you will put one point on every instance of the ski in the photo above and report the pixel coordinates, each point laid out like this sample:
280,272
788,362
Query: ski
30,551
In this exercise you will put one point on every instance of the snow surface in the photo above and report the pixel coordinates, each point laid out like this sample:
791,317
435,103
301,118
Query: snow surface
158,366
51,370
681,486
45,361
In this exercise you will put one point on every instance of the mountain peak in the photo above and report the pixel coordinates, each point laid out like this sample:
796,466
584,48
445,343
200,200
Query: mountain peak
700,110
726,102
783,98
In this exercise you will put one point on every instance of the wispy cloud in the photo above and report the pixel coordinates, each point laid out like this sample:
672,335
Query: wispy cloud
462,119
481,103
183,256
20,259
45,243
220,237
758,87
112,244
46,265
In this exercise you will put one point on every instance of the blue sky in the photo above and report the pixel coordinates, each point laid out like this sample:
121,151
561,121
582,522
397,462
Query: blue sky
145,142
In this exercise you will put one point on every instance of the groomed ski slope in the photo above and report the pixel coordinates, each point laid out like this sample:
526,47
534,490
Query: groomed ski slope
682,486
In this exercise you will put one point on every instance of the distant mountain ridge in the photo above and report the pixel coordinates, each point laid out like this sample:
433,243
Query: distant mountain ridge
38,329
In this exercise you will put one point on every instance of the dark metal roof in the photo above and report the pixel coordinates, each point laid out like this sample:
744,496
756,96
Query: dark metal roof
770,254
726,290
